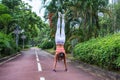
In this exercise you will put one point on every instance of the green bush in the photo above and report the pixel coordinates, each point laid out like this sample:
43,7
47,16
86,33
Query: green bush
104,52
46,44
7,45
27,46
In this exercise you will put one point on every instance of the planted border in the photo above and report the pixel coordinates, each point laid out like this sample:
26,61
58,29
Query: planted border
104,52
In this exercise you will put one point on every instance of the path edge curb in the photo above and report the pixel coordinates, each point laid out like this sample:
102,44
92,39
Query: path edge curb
107,75
8,58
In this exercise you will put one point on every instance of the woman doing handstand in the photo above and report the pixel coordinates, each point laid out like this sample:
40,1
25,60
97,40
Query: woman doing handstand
60,40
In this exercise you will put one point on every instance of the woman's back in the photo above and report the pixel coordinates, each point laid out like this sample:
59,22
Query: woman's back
60,48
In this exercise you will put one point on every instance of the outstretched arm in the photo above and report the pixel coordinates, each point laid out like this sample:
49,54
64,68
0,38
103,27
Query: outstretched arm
55,63
65,63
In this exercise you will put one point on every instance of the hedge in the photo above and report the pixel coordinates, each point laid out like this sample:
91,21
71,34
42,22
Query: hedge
46,44
7,45
103,52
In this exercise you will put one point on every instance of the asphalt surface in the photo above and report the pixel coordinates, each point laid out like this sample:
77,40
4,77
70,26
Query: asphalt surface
36,64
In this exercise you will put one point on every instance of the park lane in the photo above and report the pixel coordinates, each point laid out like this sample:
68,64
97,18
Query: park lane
24,67
36,64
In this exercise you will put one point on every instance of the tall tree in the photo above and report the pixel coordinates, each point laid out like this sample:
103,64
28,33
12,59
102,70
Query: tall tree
79,13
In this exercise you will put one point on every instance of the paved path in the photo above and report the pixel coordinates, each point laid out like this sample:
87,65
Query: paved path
36,64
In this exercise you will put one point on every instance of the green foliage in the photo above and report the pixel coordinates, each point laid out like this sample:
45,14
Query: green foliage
27,46
3,9
20,14
11,3
104,52
117,16
47,44
5,19
4,40
17,13
7,44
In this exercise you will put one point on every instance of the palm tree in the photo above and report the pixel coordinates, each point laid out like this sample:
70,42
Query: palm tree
83,13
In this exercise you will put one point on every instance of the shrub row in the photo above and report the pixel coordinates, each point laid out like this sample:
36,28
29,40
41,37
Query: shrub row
104,52
46,44
7,45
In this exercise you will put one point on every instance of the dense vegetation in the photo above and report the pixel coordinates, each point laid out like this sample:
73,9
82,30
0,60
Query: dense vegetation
17,14
7,45
104,52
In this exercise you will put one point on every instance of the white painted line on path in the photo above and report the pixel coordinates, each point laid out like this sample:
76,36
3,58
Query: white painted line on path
37,56
37,59
42,78
39,67
38,63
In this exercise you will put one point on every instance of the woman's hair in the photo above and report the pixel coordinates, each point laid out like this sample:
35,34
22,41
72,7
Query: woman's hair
61,56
